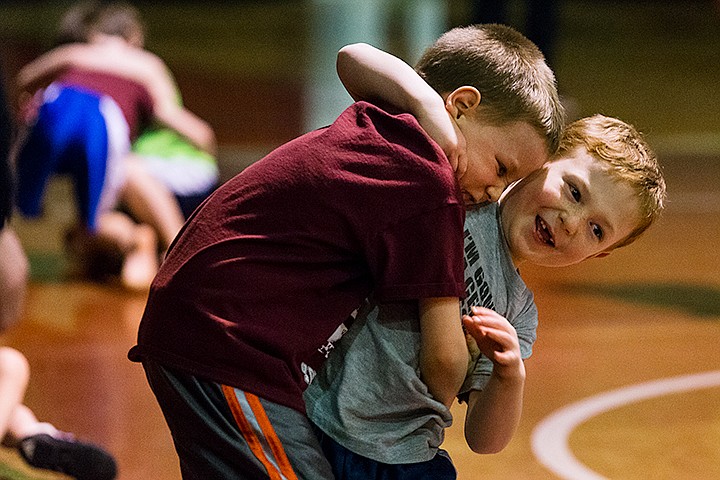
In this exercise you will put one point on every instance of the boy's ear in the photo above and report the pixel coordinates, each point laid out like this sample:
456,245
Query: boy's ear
463,100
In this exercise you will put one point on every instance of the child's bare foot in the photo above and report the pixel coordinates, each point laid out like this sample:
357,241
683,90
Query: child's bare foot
141,262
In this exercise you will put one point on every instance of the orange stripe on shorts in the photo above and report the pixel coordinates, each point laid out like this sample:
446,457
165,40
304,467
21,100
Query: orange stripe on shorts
286,472
271,437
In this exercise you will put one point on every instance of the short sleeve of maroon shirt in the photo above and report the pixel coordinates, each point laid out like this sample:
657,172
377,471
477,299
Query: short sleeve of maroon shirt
279,256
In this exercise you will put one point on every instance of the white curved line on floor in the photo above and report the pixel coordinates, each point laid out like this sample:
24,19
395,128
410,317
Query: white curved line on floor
550,436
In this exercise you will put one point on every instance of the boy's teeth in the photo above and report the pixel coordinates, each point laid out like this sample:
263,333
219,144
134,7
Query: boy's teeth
544,231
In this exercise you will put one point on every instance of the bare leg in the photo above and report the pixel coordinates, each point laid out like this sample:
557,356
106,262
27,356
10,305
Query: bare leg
39,443
13,278
14,377
23,424
139,243
151,202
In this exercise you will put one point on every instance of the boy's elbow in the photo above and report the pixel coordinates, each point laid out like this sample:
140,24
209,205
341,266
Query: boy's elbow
444,375
14,272
452,362
486,446
487,449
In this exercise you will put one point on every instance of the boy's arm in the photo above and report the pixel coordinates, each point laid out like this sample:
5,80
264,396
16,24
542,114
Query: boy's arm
443,350
494,413
137,65
376,76
152,72
48,65
187,124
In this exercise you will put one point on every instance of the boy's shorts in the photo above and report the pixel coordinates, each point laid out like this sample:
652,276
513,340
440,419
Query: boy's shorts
224,433
185,170
348,465
81,134
189,180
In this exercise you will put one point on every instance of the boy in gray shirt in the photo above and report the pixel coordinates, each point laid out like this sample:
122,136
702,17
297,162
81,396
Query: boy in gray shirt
375,415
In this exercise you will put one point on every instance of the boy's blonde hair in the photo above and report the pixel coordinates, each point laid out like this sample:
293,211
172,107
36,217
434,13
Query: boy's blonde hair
630,160
509,71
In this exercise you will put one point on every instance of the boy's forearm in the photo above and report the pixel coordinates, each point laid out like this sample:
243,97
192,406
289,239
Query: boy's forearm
187,124
494,413
43,68
374,75
443,352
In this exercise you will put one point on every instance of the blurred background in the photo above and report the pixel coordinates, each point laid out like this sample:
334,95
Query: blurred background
262,72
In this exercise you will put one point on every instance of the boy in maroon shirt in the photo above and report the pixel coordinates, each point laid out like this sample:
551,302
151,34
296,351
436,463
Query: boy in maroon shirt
265,272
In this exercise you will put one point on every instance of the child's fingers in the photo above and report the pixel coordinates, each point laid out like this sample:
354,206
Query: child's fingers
500,354
483,311
488,318
503,339
492,335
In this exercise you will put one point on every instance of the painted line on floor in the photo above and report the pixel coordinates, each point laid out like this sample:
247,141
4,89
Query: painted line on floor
550,437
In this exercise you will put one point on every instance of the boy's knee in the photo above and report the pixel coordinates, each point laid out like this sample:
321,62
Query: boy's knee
14,366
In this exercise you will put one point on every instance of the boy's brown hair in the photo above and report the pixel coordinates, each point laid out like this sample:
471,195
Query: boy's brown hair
509,71
630,160
110,18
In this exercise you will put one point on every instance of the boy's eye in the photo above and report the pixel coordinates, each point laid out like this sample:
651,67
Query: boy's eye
502,169
575,193
597,231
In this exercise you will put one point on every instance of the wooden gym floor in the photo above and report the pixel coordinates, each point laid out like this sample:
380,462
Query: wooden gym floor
646,313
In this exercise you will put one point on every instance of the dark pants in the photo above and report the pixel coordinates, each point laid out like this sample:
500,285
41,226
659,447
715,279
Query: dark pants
348,465
223,433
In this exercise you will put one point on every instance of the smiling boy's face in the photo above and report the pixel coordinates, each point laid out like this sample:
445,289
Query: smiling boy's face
569,210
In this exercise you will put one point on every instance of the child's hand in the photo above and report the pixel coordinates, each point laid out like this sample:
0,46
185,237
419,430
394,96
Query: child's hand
444,131
495,338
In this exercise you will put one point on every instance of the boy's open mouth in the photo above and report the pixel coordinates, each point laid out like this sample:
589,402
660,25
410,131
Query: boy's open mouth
543,231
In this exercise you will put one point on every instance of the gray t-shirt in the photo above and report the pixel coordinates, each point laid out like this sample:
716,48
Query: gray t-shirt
369,397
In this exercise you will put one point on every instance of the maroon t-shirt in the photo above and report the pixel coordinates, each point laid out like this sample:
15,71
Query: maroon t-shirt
132,98
277,258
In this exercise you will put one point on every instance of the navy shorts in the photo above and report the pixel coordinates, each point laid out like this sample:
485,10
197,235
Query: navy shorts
347,465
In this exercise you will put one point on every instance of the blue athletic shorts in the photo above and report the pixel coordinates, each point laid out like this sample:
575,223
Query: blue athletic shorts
75,134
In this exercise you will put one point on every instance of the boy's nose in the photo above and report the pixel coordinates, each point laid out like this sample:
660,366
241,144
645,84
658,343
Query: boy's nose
570,222
494,191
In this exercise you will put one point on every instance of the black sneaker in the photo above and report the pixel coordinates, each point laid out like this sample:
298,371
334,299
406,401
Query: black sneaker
82,461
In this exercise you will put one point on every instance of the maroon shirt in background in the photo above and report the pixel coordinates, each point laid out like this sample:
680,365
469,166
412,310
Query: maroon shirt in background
132,98
279,256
